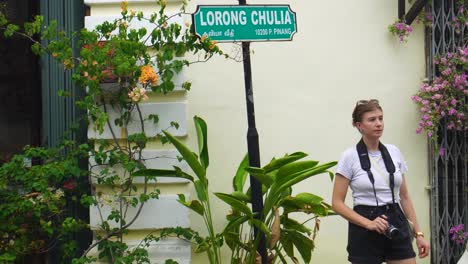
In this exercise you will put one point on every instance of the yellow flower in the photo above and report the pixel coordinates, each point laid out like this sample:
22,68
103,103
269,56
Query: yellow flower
203,38
123,6
54,54
213,44
148,75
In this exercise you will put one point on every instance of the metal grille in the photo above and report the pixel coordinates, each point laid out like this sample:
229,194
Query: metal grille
448,172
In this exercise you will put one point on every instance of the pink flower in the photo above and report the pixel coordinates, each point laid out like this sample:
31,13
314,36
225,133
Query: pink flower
453,102
436,96
429,123
460,80
69,184
442,152
425,117
416,98
419,130
429,134
435,88
452,111
429,17
463,52
447,71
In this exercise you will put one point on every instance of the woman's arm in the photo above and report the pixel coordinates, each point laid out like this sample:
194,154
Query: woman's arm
340,188
408,209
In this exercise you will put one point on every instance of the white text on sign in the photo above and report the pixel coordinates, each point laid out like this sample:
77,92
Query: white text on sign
233,17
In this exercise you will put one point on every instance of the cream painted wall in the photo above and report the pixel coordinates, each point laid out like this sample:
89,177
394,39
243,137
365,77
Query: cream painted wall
304,94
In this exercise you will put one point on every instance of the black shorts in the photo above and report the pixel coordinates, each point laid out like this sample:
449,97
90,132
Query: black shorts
369,247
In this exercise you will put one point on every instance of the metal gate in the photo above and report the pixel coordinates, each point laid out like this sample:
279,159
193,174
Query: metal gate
448,172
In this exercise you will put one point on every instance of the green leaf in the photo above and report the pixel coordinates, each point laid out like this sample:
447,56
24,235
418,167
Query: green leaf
154,118
236,222
10,30
152,173
332,175
236,203
295,167
241,175
241,196
292,224
201,190
278,163
202,136
195,205
232,239
291,179
261,226
303,244
175,124
308,198
265,179
202,247
188,155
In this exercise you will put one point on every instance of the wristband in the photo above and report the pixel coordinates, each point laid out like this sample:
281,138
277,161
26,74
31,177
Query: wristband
417,234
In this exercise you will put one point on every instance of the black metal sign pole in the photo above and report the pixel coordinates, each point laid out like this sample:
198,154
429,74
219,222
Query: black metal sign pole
253,146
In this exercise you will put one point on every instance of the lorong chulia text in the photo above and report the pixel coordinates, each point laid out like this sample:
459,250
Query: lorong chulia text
245,23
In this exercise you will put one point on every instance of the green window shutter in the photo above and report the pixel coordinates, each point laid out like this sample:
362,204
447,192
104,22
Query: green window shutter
59,113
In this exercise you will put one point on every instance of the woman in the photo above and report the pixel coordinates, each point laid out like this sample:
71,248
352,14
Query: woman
376,208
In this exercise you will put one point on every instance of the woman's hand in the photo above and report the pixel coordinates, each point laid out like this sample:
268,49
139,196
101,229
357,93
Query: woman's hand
379,224
423,247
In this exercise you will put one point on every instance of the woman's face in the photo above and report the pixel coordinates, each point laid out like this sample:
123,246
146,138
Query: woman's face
372,124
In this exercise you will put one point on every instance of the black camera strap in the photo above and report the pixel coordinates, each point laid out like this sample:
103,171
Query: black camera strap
366,165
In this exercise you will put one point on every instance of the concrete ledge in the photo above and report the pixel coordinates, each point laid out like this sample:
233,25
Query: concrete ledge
158,252
165,159
156,214
154,159
167,113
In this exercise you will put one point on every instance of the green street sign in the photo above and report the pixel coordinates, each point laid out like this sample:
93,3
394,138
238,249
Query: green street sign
230,23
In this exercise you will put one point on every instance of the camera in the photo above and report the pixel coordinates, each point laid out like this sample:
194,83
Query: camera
392,232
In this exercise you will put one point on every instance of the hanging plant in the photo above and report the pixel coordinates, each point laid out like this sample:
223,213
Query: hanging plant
401,30
444,98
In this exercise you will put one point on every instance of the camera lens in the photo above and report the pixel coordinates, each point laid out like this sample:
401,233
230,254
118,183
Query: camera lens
392,232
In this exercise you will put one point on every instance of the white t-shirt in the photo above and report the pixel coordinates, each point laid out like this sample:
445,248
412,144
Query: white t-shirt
363,194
